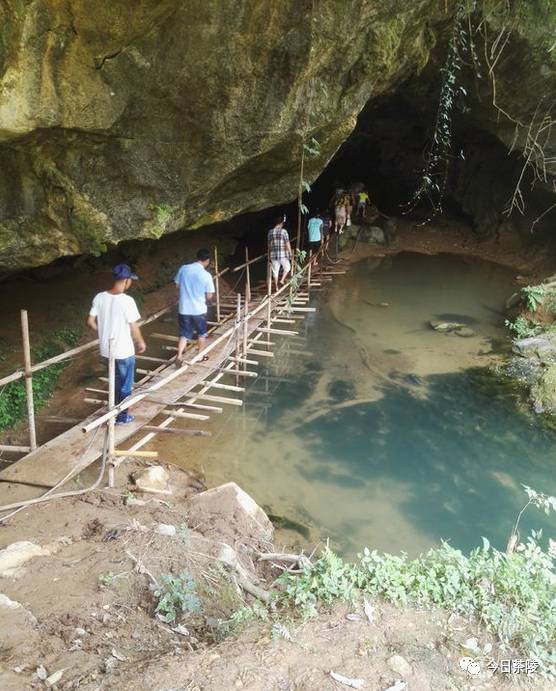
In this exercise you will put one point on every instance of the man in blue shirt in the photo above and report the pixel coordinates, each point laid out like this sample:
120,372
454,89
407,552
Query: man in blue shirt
314,232
195,286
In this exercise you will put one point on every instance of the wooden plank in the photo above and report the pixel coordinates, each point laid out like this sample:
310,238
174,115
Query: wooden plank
216,399
148,358
188,416
260,353
15,449
164,337
172,430
243,361
280,332
196,406
217,385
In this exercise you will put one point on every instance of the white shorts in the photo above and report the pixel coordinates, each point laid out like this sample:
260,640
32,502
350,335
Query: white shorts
277,263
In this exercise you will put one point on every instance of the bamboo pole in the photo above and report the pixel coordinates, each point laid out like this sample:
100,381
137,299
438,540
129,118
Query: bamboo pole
185,415
238,322
28,380
309,272
268,297
15,449
173,430
217,284
245,326
247,278
111,404
139,454
74,351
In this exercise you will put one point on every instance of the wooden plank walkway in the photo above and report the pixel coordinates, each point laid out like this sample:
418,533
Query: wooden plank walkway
233,345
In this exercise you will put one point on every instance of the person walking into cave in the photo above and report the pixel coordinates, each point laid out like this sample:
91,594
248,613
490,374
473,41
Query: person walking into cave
363,202
314,232
348,203
340,216
195,288
114,315
279,251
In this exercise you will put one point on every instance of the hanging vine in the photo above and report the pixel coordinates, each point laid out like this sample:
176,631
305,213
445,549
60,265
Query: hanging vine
439,153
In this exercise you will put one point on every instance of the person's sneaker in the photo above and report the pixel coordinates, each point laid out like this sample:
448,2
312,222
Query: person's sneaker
125,420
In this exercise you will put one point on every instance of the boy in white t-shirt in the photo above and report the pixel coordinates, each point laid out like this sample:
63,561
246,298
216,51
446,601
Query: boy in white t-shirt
114,315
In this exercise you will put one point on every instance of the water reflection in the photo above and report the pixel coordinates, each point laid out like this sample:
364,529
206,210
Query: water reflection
372,429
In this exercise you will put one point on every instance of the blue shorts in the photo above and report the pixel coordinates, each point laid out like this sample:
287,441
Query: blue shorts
192,325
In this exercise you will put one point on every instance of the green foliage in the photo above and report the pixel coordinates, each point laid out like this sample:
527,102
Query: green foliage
106,579
176,595
523,328
312,148
534,296
513,595
297,274
437,156
12,396
161,216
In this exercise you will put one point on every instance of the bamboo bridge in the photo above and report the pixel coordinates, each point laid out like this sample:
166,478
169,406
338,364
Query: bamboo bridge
239,339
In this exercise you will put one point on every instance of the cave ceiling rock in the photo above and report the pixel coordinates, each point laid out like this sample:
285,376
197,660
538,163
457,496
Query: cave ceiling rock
123,119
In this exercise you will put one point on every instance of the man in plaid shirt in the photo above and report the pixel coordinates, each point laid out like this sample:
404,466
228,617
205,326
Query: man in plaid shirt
279,251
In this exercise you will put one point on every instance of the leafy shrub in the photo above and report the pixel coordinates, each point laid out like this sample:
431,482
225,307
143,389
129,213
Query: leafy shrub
13,406
513,595
523,328
176,595
534,296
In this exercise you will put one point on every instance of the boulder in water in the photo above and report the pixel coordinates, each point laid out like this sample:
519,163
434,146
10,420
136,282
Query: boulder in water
541,347
465,332
445,327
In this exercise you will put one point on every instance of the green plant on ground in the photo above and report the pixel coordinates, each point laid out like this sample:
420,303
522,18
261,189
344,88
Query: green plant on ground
513,594
523,328
534,296
106,578
176,595
13,406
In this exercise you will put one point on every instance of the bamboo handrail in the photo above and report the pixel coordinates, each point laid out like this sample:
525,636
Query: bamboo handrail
74,351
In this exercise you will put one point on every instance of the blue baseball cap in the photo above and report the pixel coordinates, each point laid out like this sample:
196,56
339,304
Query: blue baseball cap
121,271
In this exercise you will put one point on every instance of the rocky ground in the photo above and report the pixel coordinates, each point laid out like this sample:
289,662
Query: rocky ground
77,584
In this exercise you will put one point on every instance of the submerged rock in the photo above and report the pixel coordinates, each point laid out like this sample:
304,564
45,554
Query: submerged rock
445,326
465,332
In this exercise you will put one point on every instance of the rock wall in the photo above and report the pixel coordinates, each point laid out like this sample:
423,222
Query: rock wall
123,119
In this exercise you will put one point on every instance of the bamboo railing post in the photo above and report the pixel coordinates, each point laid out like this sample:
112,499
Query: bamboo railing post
309,268
28,380
247,277
268,297
217,284
245,328
238,322
111,403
